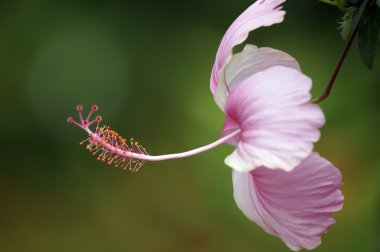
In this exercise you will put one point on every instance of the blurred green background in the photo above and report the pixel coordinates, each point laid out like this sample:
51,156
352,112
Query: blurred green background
147,65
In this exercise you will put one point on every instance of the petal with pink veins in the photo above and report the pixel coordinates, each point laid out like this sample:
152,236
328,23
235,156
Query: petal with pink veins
295,206
261,13
278,123
246,63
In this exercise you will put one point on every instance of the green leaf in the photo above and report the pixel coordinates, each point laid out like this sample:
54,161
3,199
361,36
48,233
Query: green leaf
369,36
351,19
345,25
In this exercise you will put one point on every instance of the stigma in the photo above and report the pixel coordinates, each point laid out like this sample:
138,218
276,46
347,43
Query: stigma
108,145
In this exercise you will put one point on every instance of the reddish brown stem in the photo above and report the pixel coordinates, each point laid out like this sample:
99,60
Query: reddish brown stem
329,86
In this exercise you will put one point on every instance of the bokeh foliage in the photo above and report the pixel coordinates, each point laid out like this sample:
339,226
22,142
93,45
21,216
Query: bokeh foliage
147,64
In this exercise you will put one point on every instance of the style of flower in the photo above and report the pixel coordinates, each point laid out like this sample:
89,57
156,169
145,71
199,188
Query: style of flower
278,182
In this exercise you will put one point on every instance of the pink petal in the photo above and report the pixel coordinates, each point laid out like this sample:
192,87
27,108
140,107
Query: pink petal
278,122
295,206
246,63
261,13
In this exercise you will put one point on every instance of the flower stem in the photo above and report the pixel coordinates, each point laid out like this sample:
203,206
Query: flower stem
329,86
